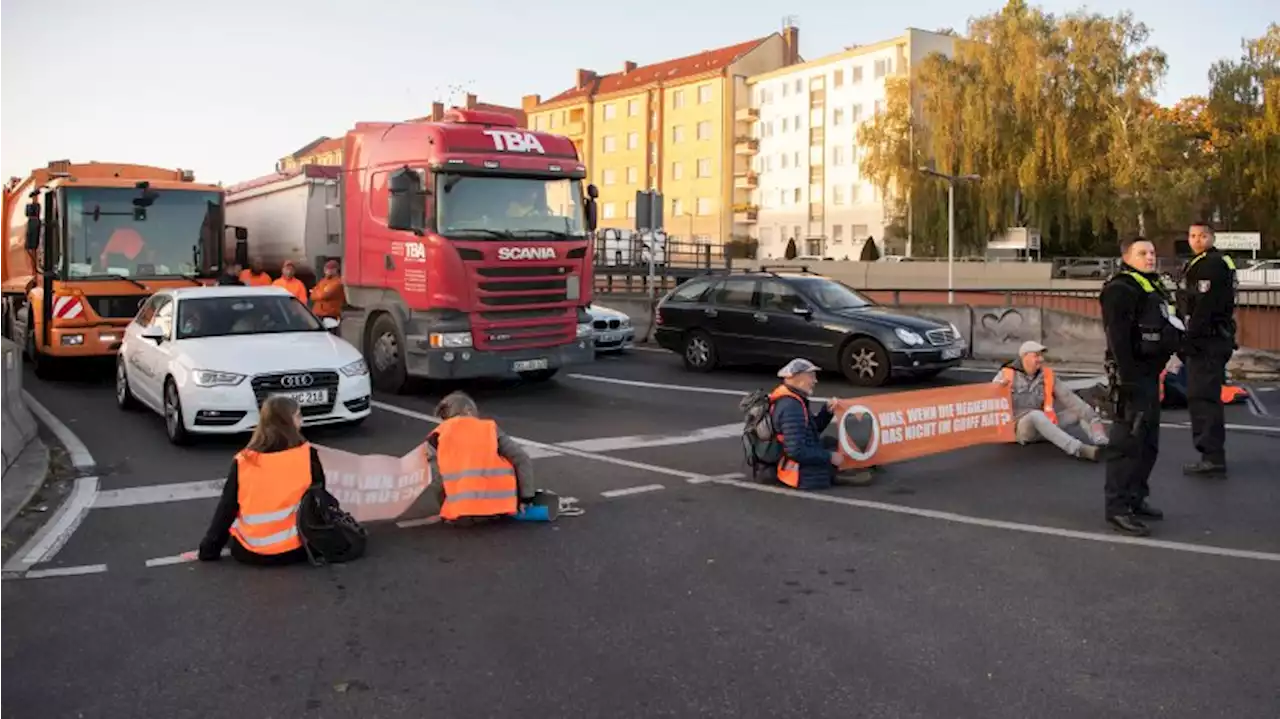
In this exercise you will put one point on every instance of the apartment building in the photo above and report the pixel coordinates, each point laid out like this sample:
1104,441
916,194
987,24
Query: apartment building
328,150
803,181
666,126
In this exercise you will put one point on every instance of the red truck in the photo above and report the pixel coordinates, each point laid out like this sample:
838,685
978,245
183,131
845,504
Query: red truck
465,245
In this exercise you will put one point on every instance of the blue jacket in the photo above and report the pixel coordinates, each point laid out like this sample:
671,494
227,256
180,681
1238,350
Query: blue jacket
802,441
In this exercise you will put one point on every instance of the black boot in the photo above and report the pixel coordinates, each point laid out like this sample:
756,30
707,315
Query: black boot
1128,524
1205,468
1146,511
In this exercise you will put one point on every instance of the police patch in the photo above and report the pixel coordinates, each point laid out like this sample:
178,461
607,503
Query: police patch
1203,286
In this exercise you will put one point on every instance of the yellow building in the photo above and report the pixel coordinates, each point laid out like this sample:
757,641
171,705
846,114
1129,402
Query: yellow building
667,126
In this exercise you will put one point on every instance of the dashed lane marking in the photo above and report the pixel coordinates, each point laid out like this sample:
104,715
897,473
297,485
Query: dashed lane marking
641,441
56,572
632,490
159,494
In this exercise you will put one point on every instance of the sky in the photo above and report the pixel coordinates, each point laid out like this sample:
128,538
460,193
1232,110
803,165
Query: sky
227,88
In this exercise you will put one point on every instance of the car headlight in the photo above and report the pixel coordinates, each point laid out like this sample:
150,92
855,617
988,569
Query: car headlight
355,369
624,322
214,378
450,340
584,330
908,336
956,330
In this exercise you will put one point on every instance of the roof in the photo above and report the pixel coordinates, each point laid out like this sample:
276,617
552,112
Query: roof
224,291
665,71
322,172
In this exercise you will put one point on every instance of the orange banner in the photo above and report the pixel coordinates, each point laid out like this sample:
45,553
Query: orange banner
374,487
904,425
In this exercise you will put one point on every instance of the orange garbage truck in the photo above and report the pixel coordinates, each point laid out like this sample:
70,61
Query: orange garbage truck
85,244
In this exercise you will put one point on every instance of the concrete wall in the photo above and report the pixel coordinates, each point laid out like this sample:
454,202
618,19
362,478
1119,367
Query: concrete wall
19,427
933,275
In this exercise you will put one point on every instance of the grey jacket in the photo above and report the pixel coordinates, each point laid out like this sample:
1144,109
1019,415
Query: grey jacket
1028,394
508,449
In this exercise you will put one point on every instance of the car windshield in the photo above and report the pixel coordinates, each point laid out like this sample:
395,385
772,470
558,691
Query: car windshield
831,295
108,234
505,208
243,315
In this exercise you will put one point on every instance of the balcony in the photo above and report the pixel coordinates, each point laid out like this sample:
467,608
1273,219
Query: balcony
815,211
745,145
746,180
747,114
745,213
573,129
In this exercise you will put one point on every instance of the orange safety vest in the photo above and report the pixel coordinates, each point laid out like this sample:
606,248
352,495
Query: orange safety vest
294,286
327,297
271,486
788,469
478,482
250,279
1048,390
1229,394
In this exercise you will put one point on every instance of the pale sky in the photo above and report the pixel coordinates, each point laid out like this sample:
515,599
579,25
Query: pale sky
228,87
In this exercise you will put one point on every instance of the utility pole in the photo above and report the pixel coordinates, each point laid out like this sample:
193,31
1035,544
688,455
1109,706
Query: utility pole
951,181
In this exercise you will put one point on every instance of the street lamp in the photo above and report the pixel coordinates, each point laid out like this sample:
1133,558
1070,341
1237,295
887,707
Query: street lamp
951,181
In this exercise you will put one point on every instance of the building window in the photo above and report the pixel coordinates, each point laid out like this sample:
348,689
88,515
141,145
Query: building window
704,94
609,143
795,196
610,177
552,118
857,232
884,66
837,195
786,124
704,168
633,140
837,79
855,113
853,193
784,198
704,130
704,205
837,156
610,211
837,234
653,153
677,208
855,75
677,99
633,175
610,111
795,158
677,133
837,116
799,86
768,163
786,89
631,208
796,122
677,171
785,161
633,108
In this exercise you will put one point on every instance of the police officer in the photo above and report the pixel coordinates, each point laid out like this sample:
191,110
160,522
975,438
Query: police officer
1208,302
1143,331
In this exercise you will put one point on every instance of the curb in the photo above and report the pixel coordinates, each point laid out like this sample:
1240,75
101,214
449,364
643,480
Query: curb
33,465
79,454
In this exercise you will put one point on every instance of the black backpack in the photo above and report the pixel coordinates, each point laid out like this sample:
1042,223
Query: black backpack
329,534
760,443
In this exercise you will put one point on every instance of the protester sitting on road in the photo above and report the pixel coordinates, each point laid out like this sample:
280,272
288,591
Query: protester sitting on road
291,283
809,459
1036,392
482,471
264,487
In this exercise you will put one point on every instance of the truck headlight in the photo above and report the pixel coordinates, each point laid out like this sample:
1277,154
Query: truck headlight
450,340
909,337
355,369
214,378
584,330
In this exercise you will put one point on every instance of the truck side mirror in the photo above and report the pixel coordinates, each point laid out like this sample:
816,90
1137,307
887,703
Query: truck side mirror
33,226
591,209
242,253
242,234
407,202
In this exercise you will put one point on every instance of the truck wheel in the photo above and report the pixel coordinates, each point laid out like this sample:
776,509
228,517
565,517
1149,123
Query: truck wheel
384,348
538,375
865,363
40,363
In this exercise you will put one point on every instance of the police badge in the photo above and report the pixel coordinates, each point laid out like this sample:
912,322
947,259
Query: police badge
1203,286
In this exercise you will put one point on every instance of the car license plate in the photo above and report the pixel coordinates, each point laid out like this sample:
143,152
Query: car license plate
608,337
529,365
308,398
952,353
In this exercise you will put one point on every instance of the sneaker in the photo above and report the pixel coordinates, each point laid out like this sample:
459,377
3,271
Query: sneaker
1128,524
853,478
1205,469
1089,452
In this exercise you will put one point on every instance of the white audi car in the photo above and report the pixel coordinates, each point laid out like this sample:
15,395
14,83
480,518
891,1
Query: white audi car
207,357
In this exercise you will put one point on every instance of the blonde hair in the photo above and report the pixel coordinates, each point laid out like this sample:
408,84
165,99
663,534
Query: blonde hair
276,430
456,404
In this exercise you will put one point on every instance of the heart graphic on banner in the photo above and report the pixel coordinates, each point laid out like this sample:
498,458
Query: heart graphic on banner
860,428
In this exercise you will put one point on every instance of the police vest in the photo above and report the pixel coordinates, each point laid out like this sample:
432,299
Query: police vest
478,482
1229,322
788,469
1159,335
271,485
1007,372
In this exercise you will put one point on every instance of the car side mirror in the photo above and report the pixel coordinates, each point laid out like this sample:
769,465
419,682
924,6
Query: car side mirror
330,323
153,333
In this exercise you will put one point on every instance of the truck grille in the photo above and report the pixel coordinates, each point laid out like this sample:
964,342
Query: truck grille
940,337
524,307
117,307
265,385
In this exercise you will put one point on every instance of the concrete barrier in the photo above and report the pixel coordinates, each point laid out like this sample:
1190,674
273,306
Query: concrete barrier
19,425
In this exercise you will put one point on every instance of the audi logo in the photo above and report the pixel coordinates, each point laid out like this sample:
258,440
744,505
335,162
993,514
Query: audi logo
297,380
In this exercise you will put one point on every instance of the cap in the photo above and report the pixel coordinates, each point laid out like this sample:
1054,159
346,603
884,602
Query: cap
1031,346
797,366
331,265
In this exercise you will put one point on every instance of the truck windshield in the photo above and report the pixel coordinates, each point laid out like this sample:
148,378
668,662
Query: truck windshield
508,207
107,234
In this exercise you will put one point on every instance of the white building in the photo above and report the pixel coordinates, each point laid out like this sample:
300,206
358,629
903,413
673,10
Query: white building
805,183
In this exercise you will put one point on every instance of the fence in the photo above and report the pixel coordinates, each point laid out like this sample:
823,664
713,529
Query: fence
623,265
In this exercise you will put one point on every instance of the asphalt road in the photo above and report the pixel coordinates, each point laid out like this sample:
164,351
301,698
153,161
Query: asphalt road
693,599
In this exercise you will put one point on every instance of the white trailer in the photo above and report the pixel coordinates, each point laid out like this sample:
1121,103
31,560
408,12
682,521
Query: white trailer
291,215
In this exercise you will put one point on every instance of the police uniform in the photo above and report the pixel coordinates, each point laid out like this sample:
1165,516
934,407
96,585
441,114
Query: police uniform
1136,314
1208,302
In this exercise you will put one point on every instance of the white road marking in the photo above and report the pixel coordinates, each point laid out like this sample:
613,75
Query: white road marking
408,523
1001,524
159,493
632,490
652,349
704,480
65,571
45,544
536,450
185,557
79,454
640,441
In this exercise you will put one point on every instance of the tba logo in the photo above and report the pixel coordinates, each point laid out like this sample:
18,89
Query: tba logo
859,433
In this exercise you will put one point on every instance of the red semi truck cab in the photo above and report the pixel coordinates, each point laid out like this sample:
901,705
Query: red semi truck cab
467,249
